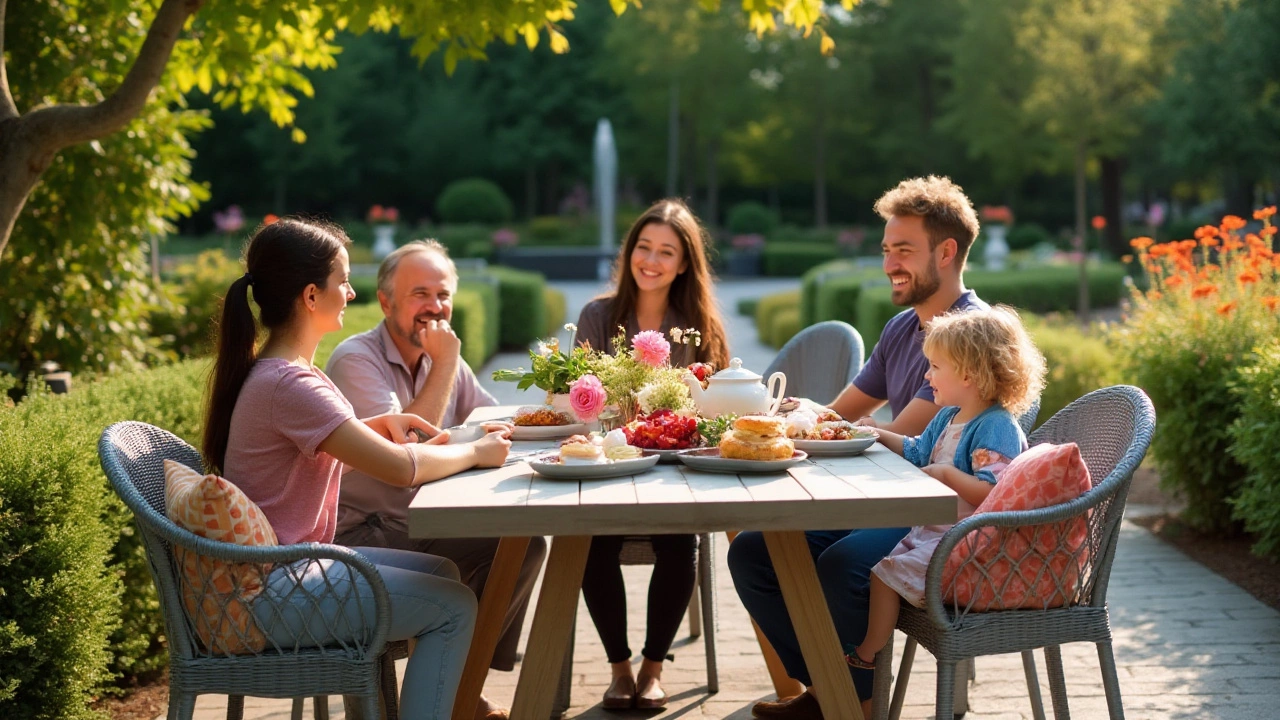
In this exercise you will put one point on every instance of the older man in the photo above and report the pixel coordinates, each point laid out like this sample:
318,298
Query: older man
410,363
929,226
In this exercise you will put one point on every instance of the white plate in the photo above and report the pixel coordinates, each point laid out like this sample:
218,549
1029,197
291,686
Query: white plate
667,456
549,466
835,447
709,459
547,432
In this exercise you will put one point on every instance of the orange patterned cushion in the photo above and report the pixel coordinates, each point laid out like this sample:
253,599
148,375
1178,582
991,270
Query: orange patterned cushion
216,593
1032,566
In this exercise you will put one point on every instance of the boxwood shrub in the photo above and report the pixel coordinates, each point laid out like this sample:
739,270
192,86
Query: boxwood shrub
812,278
523,311
1255,445
475,320
751,218
556,307
1049,288
474,200
793,259
771,304
785,325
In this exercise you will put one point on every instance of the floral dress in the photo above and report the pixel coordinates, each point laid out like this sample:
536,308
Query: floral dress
904,568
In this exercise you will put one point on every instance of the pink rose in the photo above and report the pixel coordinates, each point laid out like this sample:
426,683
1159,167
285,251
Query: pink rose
586,397
650,348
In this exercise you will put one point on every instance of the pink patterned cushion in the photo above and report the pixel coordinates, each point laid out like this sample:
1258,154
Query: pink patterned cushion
1032,566
216,594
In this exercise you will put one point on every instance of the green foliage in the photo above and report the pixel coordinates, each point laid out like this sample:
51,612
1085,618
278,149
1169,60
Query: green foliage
476,310
185,319
474,200
555,304
837,299
1079,362
747,306
553,370
366,289
1025,236
77,599
875,308
786,323
1050,288
523,309
768,305
812,278
751,218
794,259
1255,437
358,318
459,238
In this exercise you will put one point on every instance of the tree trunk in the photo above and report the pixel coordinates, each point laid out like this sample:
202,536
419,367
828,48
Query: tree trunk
1113,205
820,173
28,143
1081,228
712,217
530,191
673,141
691,160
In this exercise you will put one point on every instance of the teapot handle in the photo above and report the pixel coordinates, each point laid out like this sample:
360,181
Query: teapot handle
780,380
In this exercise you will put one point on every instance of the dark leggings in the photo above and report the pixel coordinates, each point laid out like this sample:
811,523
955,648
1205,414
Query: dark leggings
670,588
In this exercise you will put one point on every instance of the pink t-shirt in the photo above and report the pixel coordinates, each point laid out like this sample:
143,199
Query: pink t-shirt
283,413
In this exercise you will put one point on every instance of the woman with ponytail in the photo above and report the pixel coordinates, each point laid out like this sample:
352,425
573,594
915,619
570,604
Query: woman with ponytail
279,429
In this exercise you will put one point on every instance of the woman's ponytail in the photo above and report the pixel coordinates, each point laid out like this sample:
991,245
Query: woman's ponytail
237,335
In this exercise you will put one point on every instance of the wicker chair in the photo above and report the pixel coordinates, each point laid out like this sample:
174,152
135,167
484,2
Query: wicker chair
702,611
133,455
1113,427
820,361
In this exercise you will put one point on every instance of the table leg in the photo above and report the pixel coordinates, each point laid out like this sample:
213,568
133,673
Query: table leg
784,685
552,623
812,620
494,601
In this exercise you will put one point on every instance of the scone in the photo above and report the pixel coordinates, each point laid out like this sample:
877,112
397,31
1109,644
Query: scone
757,437
579,450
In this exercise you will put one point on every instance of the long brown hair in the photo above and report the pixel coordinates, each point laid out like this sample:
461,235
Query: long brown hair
281,260
690,294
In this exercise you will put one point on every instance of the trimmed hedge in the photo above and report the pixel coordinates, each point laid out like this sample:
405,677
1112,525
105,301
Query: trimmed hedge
837,299
747,306
523,315
814,277
785,325
770,304
474,200
77,604
1049,289
476,313
794,259
556,306
1255,444
751,218
1078,362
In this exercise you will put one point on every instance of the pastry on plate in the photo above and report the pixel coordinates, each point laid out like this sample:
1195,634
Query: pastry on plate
757,437
615,446
580,450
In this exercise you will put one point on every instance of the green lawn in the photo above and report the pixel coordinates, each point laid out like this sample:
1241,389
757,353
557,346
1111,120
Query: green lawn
358,318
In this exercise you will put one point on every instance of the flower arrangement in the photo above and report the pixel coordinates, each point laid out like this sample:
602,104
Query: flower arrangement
997,214
505,237
379,214
552,370
1209,302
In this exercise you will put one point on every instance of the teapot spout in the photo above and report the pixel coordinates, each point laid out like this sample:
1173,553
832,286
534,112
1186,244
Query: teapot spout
695,387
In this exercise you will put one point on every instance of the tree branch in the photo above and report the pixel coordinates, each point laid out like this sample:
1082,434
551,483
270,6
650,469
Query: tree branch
7,108
62,125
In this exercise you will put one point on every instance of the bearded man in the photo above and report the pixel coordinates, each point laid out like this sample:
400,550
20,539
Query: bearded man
929,227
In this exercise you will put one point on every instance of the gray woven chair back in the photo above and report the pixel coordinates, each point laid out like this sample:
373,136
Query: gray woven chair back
820,361
220,599
1027,420
1061,555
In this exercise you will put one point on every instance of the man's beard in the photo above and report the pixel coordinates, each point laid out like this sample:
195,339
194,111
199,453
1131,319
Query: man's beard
410,334
919,291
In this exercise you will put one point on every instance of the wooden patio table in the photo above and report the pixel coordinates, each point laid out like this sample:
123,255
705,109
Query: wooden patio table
874,489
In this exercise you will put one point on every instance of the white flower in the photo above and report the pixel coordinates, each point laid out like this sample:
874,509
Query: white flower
676,334
543,350
644,398
571,327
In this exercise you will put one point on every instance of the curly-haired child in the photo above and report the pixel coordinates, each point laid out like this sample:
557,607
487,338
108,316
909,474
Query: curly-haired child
985,372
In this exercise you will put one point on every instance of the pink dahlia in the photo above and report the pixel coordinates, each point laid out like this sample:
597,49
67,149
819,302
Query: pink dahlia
650,348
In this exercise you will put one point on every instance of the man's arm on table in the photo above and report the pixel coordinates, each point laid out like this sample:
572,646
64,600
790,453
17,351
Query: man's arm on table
854,405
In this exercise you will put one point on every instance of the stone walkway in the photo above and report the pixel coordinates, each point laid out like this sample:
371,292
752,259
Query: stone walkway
1188,643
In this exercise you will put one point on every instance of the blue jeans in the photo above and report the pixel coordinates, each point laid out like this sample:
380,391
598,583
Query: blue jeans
427,603
844,559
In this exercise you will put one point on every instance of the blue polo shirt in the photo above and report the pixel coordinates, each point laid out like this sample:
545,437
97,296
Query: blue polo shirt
895,371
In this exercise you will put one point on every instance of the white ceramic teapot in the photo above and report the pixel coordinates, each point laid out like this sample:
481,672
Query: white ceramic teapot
738,391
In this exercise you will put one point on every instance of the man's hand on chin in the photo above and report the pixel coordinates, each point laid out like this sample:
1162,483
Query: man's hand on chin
439,342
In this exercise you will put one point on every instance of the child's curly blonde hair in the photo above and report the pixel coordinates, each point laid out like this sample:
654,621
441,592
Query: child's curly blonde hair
993,350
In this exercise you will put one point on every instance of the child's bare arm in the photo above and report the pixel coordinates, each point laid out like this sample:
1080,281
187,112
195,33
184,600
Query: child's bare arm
891,440
968,487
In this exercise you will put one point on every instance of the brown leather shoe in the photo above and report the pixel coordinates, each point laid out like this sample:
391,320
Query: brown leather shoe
652,697
801,707
621,694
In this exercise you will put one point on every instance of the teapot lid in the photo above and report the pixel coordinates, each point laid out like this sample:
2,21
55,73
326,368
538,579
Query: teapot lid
735,371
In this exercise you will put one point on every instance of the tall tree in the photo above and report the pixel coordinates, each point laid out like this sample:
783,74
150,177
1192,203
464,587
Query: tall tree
1095,69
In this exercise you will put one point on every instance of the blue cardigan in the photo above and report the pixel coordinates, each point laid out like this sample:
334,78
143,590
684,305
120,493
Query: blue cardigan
993,429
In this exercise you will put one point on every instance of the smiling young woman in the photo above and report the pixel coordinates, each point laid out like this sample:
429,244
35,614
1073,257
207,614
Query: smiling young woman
663,281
